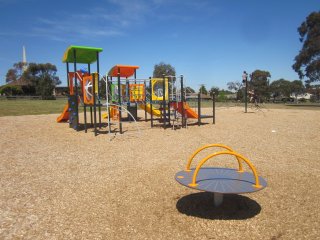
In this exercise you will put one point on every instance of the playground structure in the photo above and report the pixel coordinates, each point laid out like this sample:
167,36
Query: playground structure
162,98
83,86
220,181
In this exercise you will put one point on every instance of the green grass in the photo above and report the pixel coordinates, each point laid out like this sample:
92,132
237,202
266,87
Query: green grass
31,107
305,106
36,107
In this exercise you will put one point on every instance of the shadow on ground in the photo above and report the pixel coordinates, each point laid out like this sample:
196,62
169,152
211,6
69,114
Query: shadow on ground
234,207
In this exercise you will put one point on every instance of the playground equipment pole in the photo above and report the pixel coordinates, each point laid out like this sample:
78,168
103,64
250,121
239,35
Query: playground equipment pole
119,101
214,108
91,117
99,103
168,103
94,105
199,109
145,99
245,81
108,90
68,79
151,111
76,86
246,95
68,75
182,102
164,102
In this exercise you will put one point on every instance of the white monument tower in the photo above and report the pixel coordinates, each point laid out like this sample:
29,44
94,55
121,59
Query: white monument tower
24,59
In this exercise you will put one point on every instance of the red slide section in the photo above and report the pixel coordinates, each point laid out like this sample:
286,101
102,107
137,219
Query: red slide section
64,115
188,111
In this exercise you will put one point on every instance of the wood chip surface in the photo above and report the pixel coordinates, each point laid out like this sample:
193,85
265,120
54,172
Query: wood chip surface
56,183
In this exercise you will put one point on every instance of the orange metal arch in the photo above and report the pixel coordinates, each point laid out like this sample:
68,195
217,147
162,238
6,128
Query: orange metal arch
209,146
254,171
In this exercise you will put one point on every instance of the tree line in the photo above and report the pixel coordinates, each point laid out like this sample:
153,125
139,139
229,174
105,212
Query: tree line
163,69
258,83
31,79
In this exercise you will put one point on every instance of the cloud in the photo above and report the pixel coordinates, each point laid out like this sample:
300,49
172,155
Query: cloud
74,27
113,18
106,19
13,2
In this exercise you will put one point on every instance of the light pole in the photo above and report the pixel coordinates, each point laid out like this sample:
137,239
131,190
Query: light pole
245,82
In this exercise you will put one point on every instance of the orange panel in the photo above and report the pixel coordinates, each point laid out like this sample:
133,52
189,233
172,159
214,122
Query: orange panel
136,92
87,85
72,78
125,70
114,112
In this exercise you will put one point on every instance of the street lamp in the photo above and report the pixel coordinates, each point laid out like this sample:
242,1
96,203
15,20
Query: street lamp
245,82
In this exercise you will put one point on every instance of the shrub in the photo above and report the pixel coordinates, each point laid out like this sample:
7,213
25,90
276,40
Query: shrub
313,98
11,90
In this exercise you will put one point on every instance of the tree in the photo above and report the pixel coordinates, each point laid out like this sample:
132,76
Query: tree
190,90
11,75
43,77
237,87
259,82
234,86
307,62
11,90
203,89
313,89
214,90
163,69
297,87
280,88
16,72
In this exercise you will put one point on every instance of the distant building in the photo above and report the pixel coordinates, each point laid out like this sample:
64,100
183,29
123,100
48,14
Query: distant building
231,96
306,96
61,91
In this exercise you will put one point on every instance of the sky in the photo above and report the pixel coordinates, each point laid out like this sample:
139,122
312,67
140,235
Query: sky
209,42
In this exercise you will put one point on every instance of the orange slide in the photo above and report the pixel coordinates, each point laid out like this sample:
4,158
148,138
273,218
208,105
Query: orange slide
188,111
64,115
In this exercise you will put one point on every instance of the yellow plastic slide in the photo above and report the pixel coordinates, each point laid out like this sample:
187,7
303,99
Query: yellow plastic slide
105,115
64,116
114,113
147,107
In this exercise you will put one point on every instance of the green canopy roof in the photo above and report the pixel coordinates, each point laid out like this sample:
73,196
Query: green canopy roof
83,54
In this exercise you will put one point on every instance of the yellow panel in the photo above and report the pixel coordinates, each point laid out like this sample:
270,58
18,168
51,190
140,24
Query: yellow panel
157,89
96,84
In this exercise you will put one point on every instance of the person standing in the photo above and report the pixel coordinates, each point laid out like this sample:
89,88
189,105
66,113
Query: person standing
244,77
